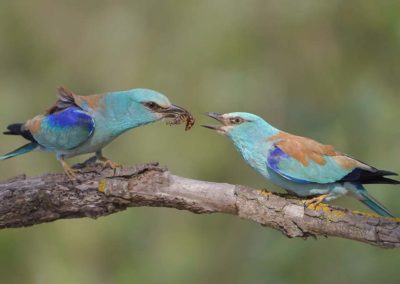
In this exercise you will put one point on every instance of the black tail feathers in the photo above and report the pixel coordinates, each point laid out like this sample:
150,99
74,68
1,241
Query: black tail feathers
380,178
371,176
13,129
17,129
385,180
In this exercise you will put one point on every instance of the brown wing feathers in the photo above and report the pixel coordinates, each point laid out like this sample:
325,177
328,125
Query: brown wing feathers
66,99
305,150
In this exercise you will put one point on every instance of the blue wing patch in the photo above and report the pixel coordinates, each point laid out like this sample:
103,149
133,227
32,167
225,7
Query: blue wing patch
64,130
291,169
274,157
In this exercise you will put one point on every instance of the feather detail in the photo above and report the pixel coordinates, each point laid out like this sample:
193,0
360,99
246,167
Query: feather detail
302,149
66,99
304,160
19,129
64,129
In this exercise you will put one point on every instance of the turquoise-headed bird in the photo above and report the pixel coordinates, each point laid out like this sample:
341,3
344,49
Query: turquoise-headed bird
77,125
300,165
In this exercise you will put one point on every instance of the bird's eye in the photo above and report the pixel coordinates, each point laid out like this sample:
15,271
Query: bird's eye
151,105
236,120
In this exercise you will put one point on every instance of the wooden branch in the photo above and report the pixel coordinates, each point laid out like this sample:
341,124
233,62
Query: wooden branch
99,192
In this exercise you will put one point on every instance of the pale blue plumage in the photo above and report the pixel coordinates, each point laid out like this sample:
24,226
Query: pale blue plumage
300,165
64,130
292,169
84,124
115,113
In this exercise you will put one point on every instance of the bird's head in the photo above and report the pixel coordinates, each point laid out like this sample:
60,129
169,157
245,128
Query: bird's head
241,125
143,106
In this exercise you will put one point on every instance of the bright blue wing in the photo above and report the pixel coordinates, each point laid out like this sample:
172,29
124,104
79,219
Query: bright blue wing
291,169
62,130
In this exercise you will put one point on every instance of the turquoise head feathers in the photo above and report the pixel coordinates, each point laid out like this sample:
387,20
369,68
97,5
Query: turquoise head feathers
239,126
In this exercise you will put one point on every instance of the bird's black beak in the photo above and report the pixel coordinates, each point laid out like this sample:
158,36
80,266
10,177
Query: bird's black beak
178,115
174,111
217,117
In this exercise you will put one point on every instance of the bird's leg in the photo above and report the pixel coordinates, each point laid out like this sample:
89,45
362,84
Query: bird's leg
315,200
106,162
67,169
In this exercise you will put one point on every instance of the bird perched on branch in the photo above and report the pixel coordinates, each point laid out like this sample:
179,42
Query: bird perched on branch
76,125
300,165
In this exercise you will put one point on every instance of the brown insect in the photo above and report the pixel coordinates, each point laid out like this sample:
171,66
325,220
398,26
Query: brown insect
184,117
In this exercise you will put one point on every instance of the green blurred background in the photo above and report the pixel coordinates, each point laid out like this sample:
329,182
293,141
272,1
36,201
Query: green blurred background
324,69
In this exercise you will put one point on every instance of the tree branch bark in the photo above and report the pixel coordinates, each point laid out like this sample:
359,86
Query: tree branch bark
99,192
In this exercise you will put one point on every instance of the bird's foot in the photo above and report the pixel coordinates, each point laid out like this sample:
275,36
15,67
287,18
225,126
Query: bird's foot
68,171
109,164
315,201
264,191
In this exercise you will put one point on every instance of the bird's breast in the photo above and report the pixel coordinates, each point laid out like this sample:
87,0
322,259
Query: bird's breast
254,154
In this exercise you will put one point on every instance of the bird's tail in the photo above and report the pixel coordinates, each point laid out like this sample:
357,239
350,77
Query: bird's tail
372,203
22,150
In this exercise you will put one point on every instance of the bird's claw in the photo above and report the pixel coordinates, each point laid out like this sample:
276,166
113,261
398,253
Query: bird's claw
315,201
110,164
69,172
264,192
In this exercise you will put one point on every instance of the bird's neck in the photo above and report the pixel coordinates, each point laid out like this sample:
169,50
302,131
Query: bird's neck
117,115
116,124
254,145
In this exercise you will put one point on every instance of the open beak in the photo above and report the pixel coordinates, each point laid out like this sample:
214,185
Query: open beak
218,117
